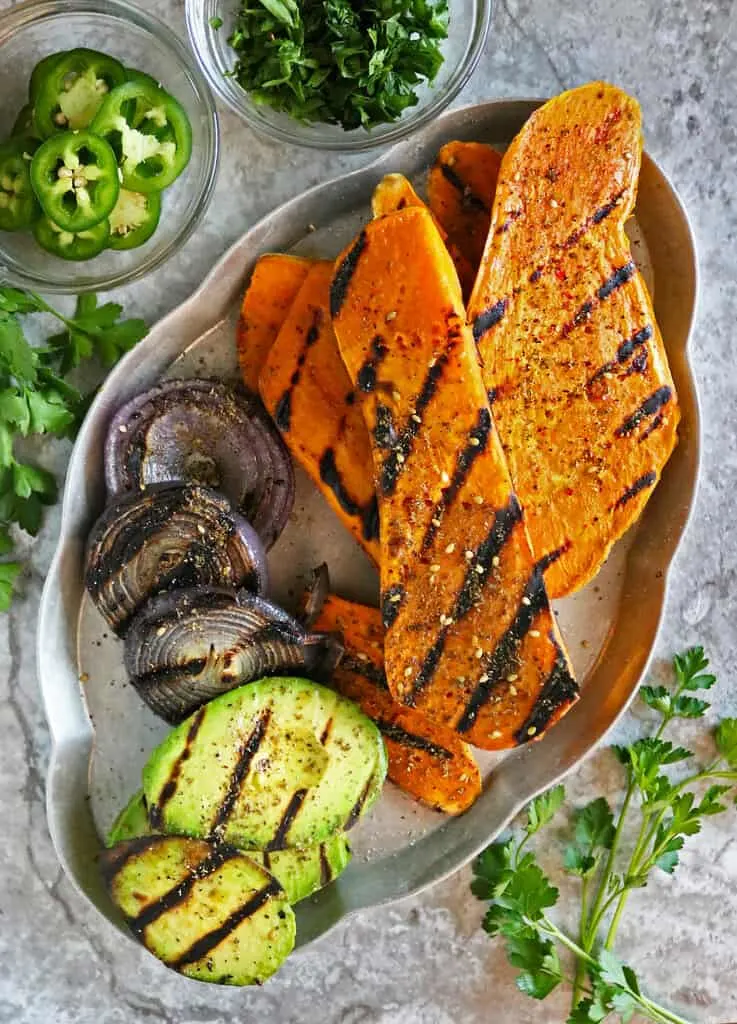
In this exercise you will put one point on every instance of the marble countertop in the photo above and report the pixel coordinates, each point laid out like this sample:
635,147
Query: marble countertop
425,961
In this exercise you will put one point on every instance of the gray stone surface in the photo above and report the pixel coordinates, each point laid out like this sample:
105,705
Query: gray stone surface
425,960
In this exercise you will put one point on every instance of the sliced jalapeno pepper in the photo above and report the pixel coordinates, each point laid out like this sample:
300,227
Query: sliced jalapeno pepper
40,73
69,245
73,89
134,219
134,75
75,177
18,205
24,124
149,132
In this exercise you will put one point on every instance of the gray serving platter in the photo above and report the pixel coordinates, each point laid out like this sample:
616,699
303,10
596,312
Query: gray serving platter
102,733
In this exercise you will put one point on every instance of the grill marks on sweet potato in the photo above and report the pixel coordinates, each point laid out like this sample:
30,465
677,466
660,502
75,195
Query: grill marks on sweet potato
274,284
584,400
460,189
461,579
427,760
305,387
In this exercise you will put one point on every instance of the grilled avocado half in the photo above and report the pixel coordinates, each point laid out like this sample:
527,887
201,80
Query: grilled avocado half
300,872
205,910
276,764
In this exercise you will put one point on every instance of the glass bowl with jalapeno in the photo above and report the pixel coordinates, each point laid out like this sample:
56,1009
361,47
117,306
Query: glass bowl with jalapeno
108,144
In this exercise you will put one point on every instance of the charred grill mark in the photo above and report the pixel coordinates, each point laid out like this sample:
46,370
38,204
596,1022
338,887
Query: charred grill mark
267,860
623,353
649,407
370,520
506,224
366,378
469,199
385,433
536,275
344,273
206,943
412,740
552,556
620,276
402,447
391,602
488,319
560,689
580,317
474,581
355,812
646,480
114,860
492,394
331,477
654,424
283,410
603,212
504,657
156,811
477,444
246,755
326,872
326,731
293,808
365,669
179,893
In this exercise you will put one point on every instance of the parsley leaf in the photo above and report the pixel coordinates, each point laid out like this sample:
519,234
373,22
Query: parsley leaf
593,834
9,572
543,808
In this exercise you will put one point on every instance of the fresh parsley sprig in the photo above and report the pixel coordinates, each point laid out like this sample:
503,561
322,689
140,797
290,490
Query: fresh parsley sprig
36,399
671,810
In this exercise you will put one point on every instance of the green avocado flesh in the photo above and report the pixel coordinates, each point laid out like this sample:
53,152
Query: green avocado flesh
205,910
300,872
274,764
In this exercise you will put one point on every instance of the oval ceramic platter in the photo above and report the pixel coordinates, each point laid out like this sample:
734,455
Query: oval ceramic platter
102,733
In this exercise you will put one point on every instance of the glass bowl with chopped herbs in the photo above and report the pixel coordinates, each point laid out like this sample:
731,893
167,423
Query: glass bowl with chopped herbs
108,144
338,74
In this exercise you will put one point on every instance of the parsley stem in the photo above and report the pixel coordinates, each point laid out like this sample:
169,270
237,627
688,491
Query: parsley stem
589,933
580,969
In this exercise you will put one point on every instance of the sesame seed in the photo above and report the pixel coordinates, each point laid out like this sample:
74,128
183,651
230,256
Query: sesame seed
123,429
450,548
535,632
435,522
513,691
469,555
444,477
475,442
408,671
532,730
479,569
484,678
478,499
161,630
461,679
396,396
526,600
554,204
512,677
495,560
479,652
395,597
361,656
416,418
435,567
400,458
497,734
391,316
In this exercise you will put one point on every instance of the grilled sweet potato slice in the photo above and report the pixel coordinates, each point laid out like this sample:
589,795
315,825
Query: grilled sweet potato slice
394,192
572,355
460,191
308,392
426,760
274,284
470,642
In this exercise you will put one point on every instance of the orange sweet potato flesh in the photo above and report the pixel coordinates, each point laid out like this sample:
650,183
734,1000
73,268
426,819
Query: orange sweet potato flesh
471,641
460,191
426,760
394,192
274,284
583,397
305,387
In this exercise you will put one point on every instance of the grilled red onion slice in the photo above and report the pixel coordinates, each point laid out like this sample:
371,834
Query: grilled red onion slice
186,647
168,536
205,432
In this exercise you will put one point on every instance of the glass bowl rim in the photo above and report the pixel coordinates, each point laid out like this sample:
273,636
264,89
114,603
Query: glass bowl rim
34,12
300,135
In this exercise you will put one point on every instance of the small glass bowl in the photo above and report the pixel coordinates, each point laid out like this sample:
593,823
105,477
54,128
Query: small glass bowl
467,31
29,31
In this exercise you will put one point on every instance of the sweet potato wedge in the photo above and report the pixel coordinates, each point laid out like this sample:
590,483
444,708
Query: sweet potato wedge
460,192
274,284
471,641
572,355
394,192
426,760
306,388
